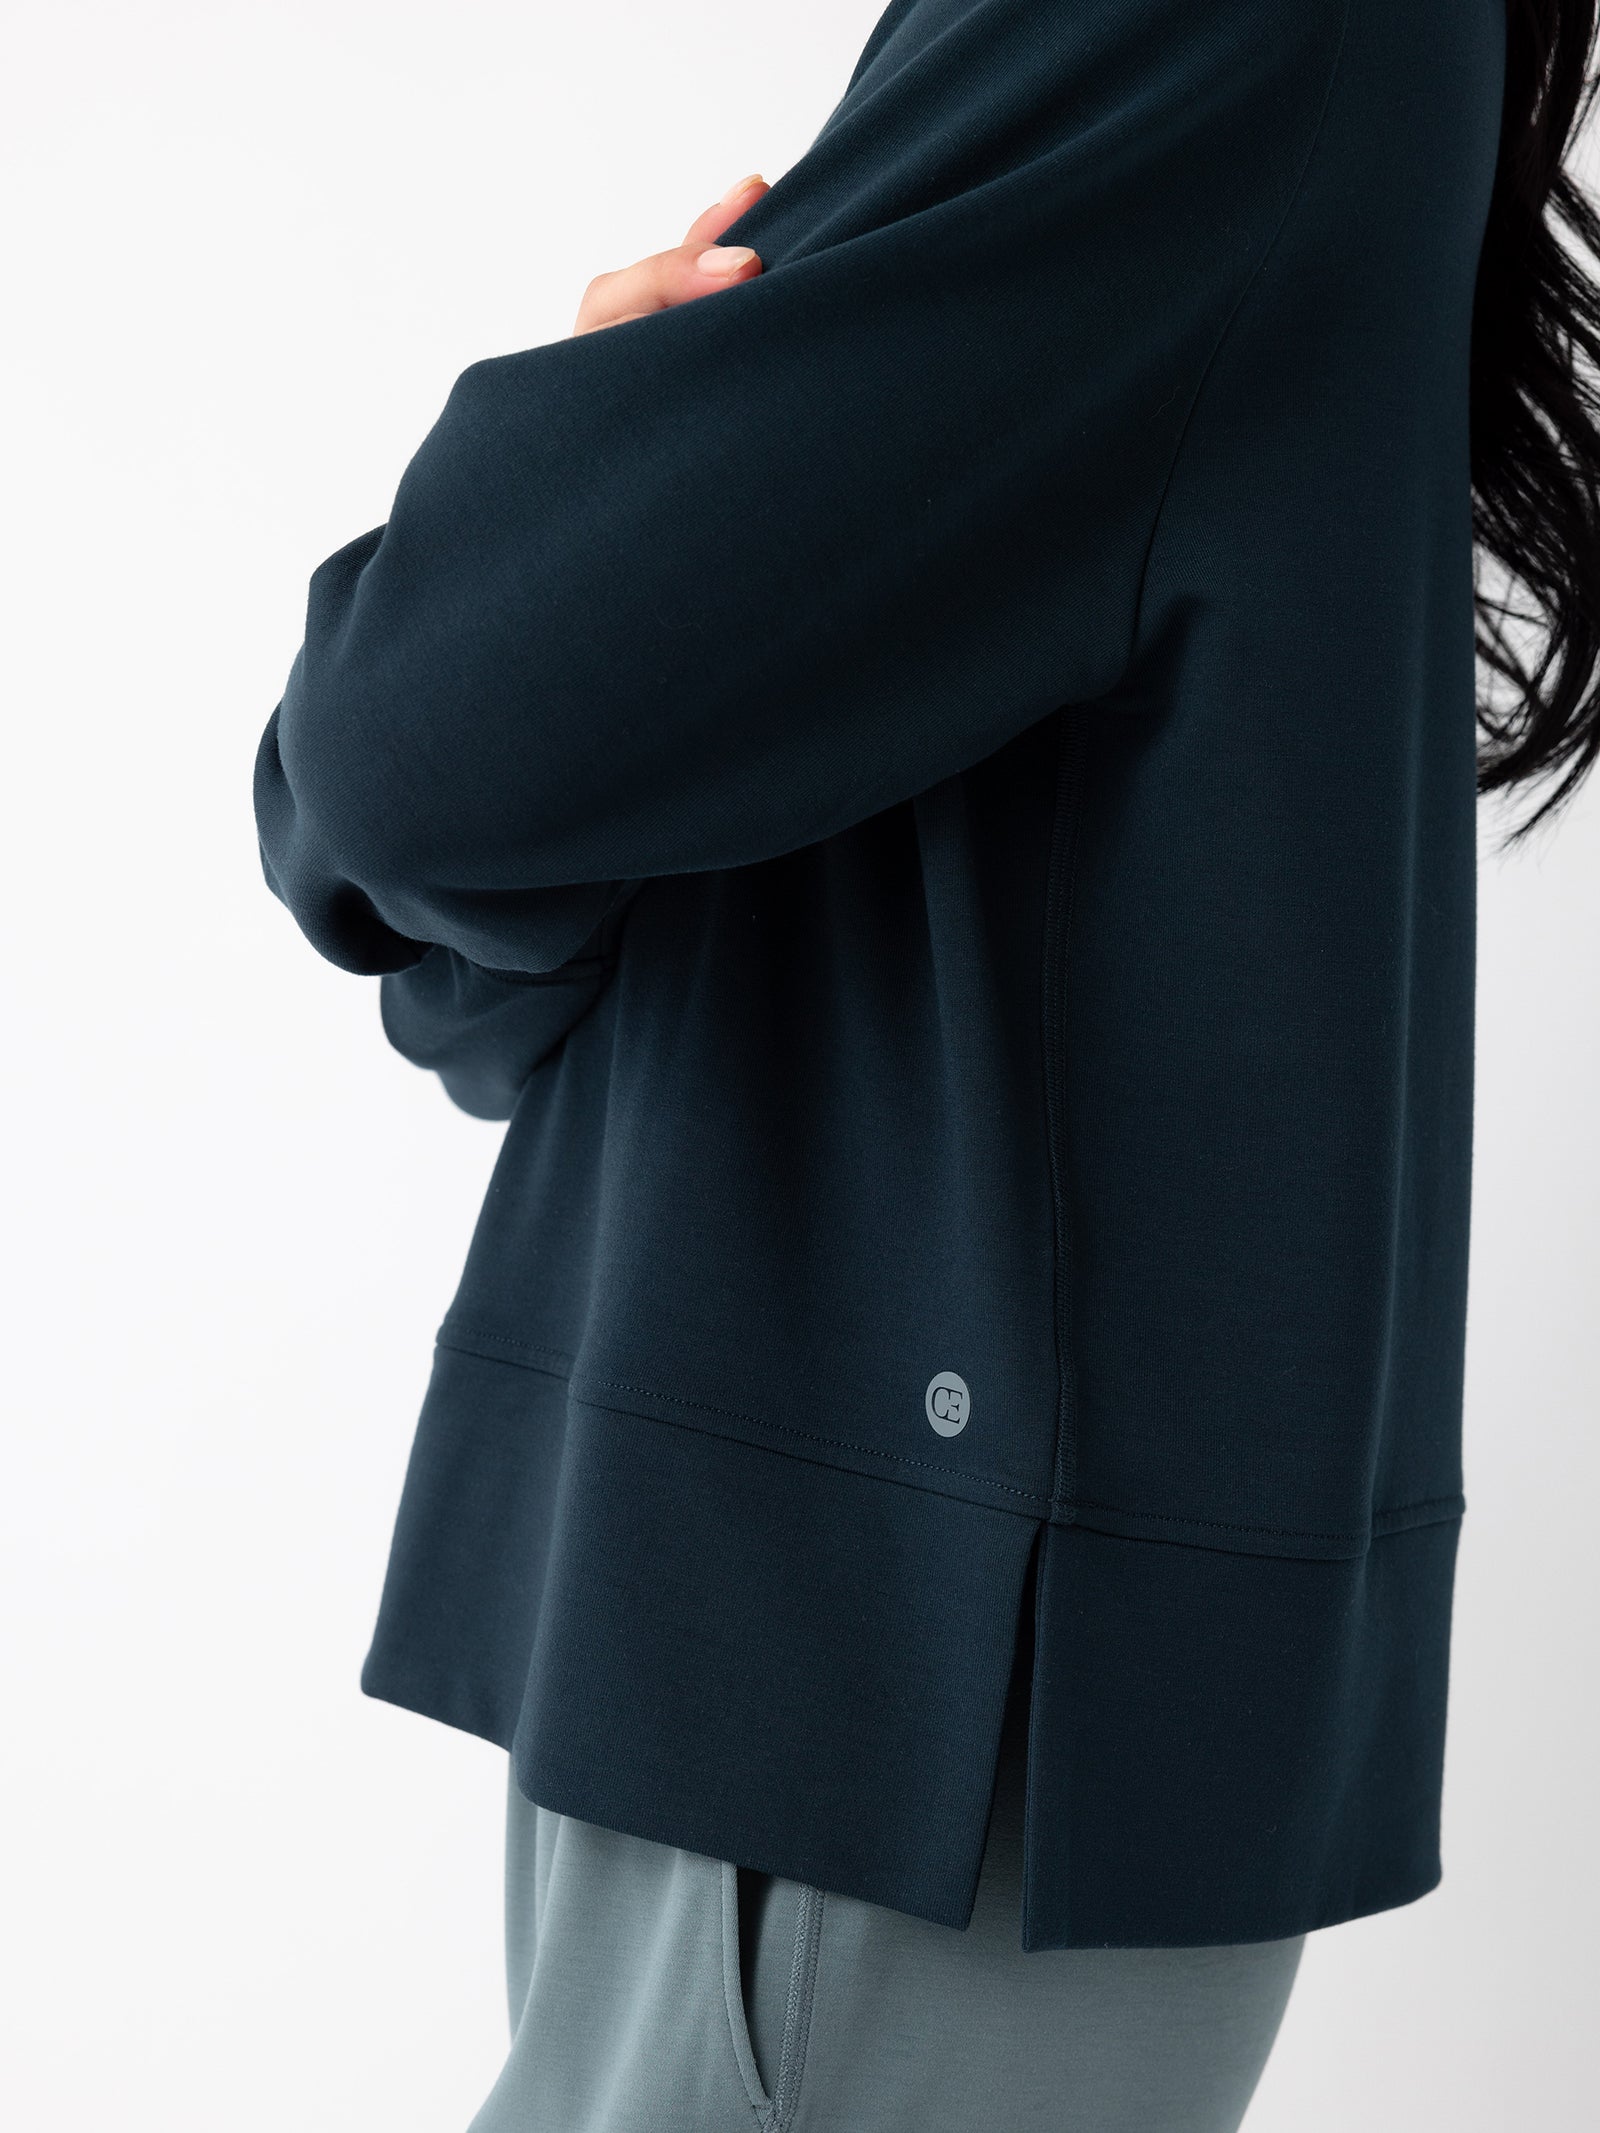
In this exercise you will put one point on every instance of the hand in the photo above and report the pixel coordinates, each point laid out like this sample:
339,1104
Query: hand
697,267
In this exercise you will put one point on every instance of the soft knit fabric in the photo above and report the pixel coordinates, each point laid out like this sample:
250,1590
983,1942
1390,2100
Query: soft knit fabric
935,791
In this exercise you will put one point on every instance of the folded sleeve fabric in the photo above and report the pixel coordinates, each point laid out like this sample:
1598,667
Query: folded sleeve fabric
482,1031
704,587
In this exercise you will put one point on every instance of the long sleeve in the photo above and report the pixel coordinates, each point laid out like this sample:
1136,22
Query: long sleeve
722,581
483,1031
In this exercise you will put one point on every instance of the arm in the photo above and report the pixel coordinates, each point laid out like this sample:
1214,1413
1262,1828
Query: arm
725,579
484,1031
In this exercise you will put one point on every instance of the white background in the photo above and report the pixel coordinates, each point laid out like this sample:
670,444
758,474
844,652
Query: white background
247,249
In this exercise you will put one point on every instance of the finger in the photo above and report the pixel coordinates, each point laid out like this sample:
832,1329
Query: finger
620,320
665,278
697,267
706,228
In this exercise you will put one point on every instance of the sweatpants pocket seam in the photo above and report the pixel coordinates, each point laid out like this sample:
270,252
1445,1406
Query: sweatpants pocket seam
761,2104
797,2009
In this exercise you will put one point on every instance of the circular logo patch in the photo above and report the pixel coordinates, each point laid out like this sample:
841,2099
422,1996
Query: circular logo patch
948,1402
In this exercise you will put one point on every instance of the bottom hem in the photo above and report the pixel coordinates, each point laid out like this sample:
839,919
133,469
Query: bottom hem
803,1670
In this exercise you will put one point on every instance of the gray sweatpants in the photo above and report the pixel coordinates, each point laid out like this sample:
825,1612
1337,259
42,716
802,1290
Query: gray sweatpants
657,1991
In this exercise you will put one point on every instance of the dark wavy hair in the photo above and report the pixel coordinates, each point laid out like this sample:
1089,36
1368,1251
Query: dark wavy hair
1536,422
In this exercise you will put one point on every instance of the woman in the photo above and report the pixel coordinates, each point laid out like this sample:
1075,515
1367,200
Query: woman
929,771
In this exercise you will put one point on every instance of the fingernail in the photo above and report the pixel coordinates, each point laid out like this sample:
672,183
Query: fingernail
725,258
744,184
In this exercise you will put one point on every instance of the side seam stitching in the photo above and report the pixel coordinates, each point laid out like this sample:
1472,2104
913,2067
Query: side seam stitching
797,2007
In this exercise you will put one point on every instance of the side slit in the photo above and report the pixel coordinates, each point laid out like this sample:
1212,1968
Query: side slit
1022,1701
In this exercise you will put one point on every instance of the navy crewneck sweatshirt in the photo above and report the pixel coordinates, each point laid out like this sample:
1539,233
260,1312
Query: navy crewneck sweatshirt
934,791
